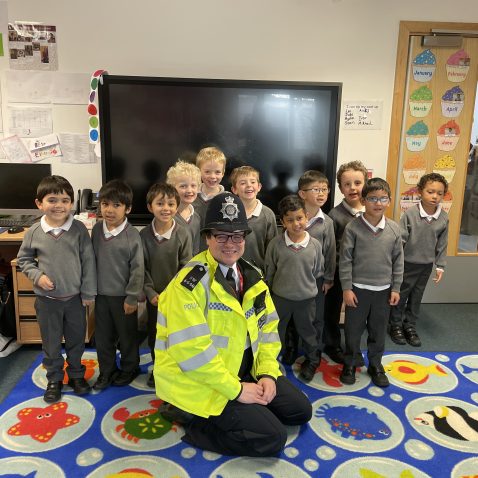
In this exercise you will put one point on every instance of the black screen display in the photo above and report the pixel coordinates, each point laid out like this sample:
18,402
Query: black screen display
281,129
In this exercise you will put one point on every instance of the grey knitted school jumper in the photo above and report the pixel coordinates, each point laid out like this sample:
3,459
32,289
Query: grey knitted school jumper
67,259
370,258
341,217
323,231
292,274
424,242
119,263
264,229
193,227
163,258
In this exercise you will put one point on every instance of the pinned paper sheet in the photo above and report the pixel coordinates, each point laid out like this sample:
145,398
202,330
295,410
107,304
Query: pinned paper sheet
15,150
76,148
363,114
30,122
44,147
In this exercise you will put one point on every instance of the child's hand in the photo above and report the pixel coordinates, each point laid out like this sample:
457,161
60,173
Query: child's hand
326,287
129,309
438,276
394,298
350,299
154,301
45,283
87,303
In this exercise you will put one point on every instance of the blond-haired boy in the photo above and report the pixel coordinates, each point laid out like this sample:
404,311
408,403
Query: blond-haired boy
186,178
261,219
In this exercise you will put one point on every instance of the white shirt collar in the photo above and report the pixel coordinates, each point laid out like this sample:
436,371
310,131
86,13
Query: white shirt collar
318,216
225,268
207,197
190,208
351,210
424,214
257,210
303,243
380,225
166,235
56,230
115,231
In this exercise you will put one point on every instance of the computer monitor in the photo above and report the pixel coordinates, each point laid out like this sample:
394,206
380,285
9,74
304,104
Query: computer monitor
18,187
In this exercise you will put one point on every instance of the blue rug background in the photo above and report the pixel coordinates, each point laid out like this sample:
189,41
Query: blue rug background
325,447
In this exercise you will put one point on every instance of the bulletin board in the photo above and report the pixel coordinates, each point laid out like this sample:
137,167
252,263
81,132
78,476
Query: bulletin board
433,133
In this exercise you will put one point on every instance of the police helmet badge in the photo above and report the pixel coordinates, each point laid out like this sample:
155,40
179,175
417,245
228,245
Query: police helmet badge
229,210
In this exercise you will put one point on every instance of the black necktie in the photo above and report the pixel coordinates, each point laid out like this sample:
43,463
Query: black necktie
230,279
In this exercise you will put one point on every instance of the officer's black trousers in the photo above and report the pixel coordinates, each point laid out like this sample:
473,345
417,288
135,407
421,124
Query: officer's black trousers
251,429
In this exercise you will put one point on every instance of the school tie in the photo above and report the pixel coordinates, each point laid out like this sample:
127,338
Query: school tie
230,280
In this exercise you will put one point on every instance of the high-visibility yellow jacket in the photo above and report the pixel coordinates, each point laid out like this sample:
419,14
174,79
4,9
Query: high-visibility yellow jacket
202,332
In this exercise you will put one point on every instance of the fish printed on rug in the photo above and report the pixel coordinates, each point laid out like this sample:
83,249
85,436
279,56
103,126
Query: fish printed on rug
42,424
146,424
466,369
355,422
364,473
330,373
413,373
452,421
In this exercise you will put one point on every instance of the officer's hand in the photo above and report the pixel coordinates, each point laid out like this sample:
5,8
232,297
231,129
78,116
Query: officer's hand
252,393
268,388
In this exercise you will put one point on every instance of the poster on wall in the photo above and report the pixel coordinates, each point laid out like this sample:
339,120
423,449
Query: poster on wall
32,46
363,114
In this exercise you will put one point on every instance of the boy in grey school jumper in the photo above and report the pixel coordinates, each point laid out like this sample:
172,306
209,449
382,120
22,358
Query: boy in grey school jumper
262,220
351,178
292,265
313,188
166,247
120,270
424,230
371,272
57,256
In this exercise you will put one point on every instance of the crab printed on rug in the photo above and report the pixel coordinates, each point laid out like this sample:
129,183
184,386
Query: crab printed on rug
419,374
327,377
34,426
137,424
144,466
356,424
446,421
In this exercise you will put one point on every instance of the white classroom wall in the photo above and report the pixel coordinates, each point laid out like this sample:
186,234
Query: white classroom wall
349,41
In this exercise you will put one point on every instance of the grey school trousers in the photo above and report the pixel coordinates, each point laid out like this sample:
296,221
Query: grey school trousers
58,319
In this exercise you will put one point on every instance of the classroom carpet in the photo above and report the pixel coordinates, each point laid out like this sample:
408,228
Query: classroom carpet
425,424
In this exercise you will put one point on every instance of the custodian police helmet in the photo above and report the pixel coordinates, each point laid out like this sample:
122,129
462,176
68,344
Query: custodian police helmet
226,212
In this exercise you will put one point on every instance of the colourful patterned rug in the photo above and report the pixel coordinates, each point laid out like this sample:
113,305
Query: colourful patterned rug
424,425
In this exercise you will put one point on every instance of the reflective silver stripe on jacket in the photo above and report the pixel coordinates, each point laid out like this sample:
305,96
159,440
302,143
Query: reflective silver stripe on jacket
188,333
248,342
161,319
198,360
220,341
254,346
270,317
269,338
160,344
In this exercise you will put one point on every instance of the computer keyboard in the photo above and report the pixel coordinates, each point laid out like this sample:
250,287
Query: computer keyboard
16,221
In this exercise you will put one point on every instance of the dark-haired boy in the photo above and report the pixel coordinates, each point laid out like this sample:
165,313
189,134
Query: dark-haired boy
371,272
57,256
167,247
120,270
292,265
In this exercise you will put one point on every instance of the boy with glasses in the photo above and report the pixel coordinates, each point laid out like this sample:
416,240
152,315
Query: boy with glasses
371,272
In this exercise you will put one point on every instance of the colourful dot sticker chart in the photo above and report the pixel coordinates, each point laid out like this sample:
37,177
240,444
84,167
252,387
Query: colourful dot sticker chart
93,120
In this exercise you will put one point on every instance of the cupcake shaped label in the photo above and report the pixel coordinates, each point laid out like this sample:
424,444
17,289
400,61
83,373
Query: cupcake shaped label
452,102
448,135
447,201
445,166
457,66
417,136
414,168
424,66
421,102
409,198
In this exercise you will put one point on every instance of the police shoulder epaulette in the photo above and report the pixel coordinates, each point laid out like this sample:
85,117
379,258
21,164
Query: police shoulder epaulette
192,278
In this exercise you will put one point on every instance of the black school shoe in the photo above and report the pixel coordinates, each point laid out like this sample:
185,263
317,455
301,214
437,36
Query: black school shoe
307,370
125,378
336,354
53,392
412,337
378,376
104,381
289,356
174,414
348,375
396,334
79,385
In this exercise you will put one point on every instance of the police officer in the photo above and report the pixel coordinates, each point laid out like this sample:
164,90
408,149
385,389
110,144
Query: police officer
217,345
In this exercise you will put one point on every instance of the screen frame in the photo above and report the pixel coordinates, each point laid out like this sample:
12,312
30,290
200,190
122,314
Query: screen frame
335,88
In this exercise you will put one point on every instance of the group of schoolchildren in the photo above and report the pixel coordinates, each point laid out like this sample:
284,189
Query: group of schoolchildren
353,255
